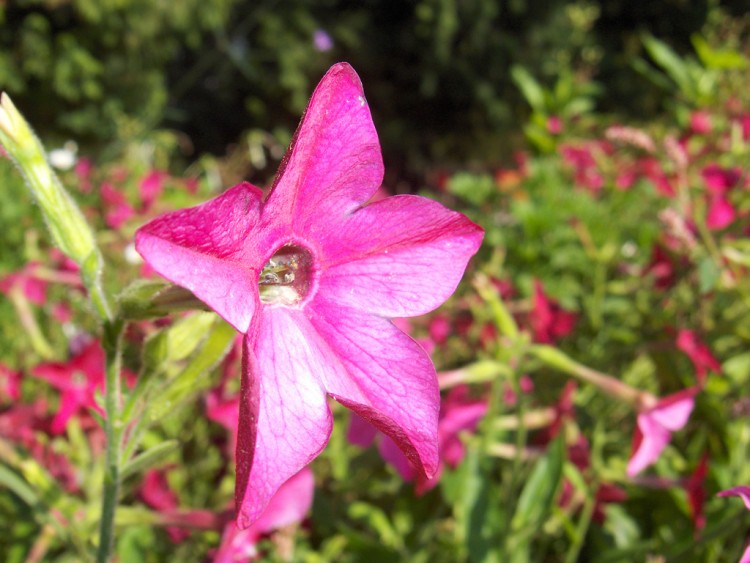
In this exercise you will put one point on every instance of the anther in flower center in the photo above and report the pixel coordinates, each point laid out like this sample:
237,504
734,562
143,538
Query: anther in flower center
285,278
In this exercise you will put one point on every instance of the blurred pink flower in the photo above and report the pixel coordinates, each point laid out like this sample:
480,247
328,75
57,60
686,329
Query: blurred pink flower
83,169
585,169
22,424
10,384
554,125
150,188
701,356
655,427
119,211
695,487
700,122
32,287
156,493
289,505
458,413
322,41
743,491
311,276
549,321
652,169
77,380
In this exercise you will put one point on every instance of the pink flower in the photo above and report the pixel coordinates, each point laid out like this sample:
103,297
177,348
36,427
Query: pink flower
156,493
701,356
311,276
743,492
549,321
83,169
696,493
459,413
150,187
10,384
32,287
700,122
554,125
119,211
77,382
288,506
655,427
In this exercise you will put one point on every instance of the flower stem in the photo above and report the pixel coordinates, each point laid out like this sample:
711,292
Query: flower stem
112,342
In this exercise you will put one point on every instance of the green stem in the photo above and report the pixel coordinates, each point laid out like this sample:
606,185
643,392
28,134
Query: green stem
112,341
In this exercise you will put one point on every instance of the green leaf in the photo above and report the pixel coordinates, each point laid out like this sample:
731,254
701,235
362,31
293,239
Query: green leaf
724,59
531,89
668,60
537,497
180,388
149,458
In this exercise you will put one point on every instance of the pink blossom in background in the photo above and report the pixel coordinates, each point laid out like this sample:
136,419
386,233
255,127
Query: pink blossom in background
695,487
700,122
150,188
118,210
311,276
83,169
458,413
701,356
549,322
32,287
322,41
77,380
10,384
289,505
719,181
585,169
439,329
156,493
656,425
743,492
27,425
554,125
652,169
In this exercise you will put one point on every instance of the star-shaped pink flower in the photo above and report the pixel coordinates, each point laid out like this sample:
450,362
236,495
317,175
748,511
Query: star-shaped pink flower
655,427
312,276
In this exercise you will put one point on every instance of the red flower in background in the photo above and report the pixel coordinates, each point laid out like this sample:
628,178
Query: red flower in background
701,356
549,321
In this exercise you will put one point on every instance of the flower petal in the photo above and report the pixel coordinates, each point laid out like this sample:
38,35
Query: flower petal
284,417
390,381
654,438
401,256
204,249
334,163
742,491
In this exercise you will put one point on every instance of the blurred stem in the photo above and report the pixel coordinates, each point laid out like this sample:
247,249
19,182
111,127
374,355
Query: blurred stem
112,343
503,319
28,322
554,358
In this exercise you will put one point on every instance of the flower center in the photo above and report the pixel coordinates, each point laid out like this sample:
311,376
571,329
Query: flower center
285,279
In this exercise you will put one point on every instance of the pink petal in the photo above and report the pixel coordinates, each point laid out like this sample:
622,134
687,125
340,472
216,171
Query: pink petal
656,426
720,214
389,379
334,163
212,250
742,491
290,504
396,458
360,433
399,257
69,405
654,438
284,417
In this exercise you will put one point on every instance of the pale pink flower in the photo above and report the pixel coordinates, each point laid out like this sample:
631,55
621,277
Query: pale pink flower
655,427
700,122
26,279
311,276
288,506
